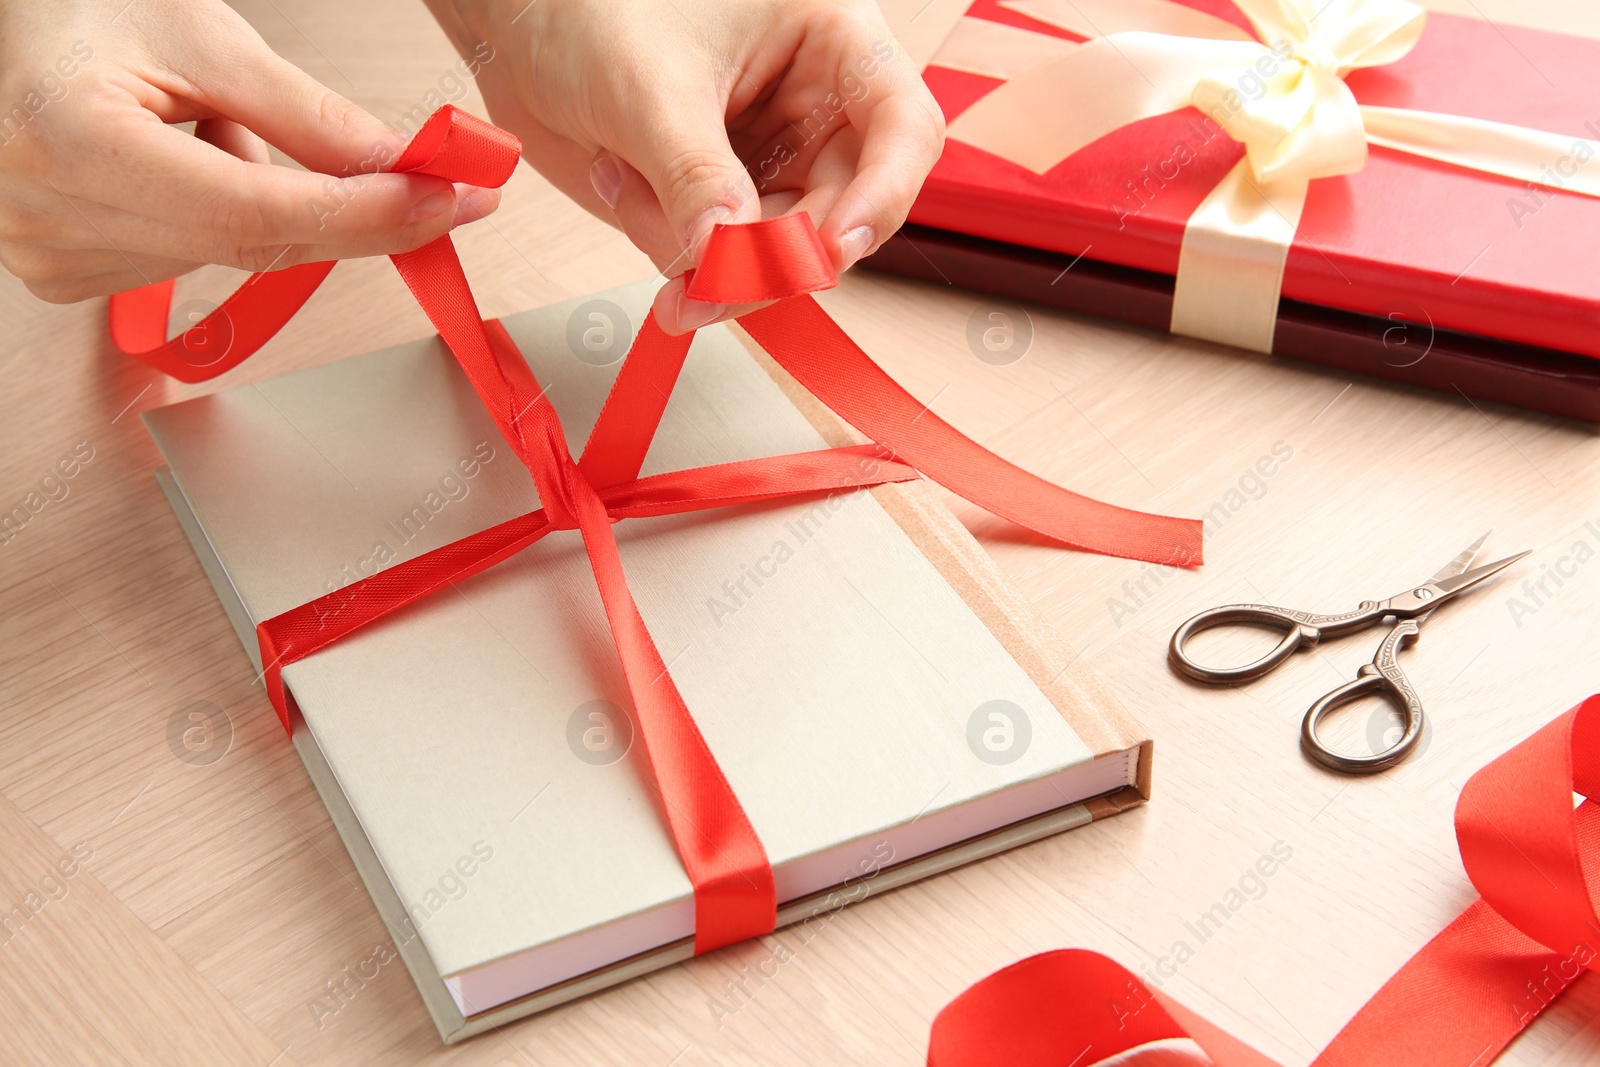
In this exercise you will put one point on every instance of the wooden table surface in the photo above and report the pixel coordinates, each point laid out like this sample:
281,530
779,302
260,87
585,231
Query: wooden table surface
211,904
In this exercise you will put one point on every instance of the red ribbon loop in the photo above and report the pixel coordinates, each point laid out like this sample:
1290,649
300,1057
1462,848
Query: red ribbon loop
1460,1000
1521,846
778,259
461,147
754,262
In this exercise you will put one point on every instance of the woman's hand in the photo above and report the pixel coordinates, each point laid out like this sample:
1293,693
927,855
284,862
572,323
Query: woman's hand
668,116
99,193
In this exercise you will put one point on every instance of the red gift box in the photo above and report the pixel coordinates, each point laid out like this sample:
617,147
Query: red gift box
1404,239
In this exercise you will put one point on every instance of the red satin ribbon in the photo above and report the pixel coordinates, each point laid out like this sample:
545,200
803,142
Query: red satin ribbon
1534,859
777,260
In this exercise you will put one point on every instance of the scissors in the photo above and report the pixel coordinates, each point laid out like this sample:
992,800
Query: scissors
1383,676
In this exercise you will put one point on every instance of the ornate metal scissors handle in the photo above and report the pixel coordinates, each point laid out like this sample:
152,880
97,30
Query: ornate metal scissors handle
1384,677
1301,629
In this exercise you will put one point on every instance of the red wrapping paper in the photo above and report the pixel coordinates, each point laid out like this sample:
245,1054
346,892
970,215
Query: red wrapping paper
1408,235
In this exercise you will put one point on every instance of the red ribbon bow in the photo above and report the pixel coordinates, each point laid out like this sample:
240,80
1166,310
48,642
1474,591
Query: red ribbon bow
1456,1003
780,259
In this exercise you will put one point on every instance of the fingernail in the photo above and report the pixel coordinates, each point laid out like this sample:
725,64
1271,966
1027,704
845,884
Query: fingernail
475,205
692,314
854,244
703,225
431,206
606,177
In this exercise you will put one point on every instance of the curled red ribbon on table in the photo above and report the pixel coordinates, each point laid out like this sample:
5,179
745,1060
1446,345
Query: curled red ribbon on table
1458,1002
779,260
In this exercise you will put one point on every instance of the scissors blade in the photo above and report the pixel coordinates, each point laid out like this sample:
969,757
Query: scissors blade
1462,582
1461,562
1424,600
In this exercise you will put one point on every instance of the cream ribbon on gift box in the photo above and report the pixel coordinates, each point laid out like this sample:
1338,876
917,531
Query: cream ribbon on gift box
1285,101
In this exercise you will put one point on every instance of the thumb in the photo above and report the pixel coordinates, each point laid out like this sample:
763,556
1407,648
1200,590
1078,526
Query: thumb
688,161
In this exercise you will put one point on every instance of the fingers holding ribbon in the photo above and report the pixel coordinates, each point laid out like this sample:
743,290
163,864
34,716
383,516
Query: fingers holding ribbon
101,189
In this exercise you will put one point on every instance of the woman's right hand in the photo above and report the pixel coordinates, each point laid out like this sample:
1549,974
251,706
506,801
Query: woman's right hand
100,192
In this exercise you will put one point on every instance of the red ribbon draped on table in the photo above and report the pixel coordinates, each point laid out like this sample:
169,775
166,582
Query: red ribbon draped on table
1456,1003
779,260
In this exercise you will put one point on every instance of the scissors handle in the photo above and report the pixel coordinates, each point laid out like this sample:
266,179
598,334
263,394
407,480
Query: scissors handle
1301,629
1384,677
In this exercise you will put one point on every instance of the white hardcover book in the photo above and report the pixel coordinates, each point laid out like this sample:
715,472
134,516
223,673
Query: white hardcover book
879,700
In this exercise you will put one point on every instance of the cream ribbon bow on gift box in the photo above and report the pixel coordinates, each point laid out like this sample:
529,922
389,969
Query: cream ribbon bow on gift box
1285,100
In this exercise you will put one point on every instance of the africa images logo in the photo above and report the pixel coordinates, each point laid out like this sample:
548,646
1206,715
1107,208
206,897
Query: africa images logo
999,732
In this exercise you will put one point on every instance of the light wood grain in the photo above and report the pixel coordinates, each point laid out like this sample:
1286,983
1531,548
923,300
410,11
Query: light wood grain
219,902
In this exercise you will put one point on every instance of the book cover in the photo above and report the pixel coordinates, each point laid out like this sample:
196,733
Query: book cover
881,702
